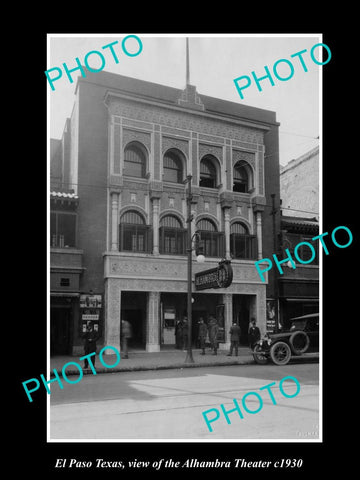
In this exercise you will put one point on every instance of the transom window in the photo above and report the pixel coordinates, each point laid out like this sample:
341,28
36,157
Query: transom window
173,166
207,173
134,161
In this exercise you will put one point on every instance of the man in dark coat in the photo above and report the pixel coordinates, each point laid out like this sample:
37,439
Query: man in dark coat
213,333
185,333
202,335
90,344
235,332
179,334
253,333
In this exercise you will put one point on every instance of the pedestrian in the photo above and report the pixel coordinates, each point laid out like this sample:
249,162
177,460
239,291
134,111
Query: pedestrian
213,333
235,332
202,335
126,333
90,338
253,333
179,334
185,333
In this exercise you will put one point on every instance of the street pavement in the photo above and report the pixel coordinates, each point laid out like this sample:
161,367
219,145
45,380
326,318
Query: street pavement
168,404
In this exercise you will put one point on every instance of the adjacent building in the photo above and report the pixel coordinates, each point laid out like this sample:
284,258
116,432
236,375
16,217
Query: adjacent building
299,185
118,205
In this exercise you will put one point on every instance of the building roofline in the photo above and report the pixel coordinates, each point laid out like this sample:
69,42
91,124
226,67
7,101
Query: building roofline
168,96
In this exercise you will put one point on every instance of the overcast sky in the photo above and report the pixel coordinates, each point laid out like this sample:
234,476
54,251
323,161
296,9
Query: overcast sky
215,61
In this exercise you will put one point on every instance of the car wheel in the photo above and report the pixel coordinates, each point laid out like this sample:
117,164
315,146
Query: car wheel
299,342
259,356
280,353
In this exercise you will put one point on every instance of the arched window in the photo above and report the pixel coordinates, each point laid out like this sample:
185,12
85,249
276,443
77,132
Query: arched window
213,240
135,160
242,244
241,177
208,172
173,166
172,236
134,233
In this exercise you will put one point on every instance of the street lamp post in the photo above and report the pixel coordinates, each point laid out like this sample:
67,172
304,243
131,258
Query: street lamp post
189,356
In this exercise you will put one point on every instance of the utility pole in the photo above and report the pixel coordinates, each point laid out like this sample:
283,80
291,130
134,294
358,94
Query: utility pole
189,355
274,270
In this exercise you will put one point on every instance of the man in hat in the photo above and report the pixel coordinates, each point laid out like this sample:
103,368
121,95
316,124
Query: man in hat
235,332
202,335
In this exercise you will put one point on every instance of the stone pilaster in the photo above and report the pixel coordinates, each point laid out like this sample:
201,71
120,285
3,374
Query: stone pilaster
155,214
114,221
228,313
227,233
153,322
259,234
112,313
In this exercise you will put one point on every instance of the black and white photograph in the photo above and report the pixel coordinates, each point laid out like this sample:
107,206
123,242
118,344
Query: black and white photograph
165,179
194,238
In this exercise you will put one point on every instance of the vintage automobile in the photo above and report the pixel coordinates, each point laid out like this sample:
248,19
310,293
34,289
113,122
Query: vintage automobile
302,337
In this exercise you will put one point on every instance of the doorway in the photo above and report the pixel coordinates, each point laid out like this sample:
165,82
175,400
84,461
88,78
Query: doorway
133,309
60,330
241,315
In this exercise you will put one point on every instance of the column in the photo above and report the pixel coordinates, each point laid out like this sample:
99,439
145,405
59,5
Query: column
261,309
112,314
228,302
259,234
155,224
114,221
227,233
153,322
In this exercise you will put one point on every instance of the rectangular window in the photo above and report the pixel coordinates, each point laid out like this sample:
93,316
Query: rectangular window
214,244
135,238
243,246
172,241
304,252
62,229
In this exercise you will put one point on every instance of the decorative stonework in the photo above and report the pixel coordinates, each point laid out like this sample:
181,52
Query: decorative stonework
170,142
152,273
248,157
185,121
205,149
134,135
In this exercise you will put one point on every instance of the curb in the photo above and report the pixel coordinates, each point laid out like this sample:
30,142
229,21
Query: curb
137,368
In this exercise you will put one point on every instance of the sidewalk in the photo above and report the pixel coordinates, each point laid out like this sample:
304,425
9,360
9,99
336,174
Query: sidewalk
141,360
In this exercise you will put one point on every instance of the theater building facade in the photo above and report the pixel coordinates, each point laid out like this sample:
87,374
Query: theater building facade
130,146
